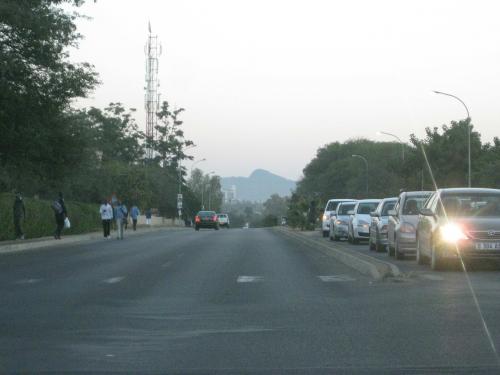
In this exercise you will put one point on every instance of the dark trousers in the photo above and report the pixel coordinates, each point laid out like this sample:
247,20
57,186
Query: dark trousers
134,223
106,226
60,225
18,227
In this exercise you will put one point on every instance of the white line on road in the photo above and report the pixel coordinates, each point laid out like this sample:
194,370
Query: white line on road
28,281
114,280
432,277
167,264
336,278
249,279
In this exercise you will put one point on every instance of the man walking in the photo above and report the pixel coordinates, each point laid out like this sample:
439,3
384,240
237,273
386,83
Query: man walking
148,216
119,215
19,216
106,216
60,214
134,214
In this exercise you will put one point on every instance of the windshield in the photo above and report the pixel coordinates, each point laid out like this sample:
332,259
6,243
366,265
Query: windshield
472,205
332,205
367,207
387,207
413,204
345,207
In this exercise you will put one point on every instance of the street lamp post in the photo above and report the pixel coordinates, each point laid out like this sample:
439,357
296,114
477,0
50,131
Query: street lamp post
399,140
203,192
366,164
196,162
468,128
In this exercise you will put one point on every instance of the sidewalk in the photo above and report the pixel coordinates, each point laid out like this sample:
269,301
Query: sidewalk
38,243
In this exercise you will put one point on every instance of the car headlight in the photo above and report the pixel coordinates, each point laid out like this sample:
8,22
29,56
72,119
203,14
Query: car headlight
407,228
452,233
326,217
362,223
340,222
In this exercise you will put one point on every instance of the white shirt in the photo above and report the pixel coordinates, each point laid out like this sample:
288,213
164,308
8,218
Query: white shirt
106,211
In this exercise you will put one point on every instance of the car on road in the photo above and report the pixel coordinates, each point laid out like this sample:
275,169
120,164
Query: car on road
359,220
379,223
403,219
459,223
206,219
329,211
223,220
339,224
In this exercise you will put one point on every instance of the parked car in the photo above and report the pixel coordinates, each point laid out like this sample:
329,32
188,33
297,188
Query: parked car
359,220
379,224
330,208
402,225
206,219
340,222
459,221
223,220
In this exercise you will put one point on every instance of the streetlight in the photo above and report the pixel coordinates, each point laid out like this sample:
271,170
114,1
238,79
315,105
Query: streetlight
203,191
399,140
366,164
468,126
196,162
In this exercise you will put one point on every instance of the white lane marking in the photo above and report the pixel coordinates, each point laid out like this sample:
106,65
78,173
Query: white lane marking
28,281
167,264
336,278
110,355
432,277
114,280
249,279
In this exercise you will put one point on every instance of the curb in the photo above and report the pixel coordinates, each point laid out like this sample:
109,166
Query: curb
362,263
20,246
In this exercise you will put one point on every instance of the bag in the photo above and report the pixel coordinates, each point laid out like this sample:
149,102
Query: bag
57,207
67,223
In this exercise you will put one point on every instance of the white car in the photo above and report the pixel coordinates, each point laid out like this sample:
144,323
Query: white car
360,219
223,220
330,208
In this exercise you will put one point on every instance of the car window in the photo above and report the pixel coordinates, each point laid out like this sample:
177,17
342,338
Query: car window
387,207
470,205
331,206
367,207
413,205
345,207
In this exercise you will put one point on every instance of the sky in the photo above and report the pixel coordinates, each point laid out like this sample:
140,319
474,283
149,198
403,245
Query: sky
266,83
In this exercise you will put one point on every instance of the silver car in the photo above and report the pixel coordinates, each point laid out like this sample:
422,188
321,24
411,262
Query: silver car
379,224
403,220
339,225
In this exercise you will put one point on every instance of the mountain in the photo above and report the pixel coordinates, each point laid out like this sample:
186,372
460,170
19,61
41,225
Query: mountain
259,186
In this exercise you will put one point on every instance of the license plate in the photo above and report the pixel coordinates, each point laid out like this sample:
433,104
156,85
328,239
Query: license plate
488,246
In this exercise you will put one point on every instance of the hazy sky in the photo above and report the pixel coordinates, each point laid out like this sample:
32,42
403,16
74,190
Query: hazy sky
265,83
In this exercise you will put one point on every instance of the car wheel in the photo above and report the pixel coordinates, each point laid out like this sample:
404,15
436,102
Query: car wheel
355,240
436,261
390,250
419,256
379,248
371,245
336,238
325,234
397,254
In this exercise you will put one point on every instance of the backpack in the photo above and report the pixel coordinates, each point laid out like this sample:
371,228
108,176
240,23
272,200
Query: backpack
57,207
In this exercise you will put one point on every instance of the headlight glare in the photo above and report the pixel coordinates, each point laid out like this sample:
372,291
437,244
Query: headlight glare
452,233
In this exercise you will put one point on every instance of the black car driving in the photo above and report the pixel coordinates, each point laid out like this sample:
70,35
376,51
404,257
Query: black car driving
206,219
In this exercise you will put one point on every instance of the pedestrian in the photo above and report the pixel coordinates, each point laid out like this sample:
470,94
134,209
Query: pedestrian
125,216
134,214
119,215
60,213
19,215
148,216
106,212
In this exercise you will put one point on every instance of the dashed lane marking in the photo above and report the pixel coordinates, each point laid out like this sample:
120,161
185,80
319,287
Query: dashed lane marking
167,264
432,277
28,281
114,280
336,278
249,279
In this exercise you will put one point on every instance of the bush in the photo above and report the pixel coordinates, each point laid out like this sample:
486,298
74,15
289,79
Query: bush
40,221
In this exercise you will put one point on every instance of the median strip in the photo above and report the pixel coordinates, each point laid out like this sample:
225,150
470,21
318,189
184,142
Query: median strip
362,263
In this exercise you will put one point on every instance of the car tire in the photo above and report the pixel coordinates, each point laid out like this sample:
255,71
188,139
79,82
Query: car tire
325,234
371,245
355,240
420,257
379,248
336,238
397,254
436,261
390,250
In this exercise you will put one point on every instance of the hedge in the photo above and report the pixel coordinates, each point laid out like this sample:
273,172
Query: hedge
40,221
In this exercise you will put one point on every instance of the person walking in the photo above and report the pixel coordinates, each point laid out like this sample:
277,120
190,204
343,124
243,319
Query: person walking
148,216
125,216
119,215
134,214
19,215
106,212
60,213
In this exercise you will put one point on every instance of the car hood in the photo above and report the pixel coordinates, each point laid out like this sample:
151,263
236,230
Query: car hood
343,217
364,217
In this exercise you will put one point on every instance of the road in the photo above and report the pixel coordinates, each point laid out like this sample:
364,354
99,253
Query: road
235,301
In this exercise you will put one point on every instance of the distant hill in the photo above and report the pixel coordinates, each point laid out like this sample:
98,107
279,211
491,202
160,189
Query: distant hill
259,186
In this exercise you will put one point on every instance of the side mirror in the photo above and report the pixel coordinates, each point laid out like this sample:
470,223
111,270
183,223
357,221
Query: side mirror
350,212
392,213
374,214
427,212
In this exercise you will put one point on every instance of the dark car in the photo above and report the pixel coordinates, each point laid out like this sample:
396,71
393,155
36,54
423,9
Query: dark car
206,219
459,222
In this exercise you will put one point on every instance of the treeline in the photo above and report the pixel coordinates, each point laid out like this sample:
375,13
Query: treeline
46,146
335,173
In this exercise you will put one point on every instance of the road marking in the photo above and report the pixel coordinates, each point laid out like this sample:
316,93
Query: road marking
167,264
249,279
336,278
432,277
28,281
114,280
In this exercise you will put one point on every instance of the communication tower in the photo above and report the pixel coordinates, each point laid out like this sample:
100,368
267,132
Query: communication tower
152,95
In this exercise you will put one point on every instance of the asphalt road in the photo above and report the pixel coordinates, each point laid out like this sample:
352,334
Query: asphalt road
235,301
